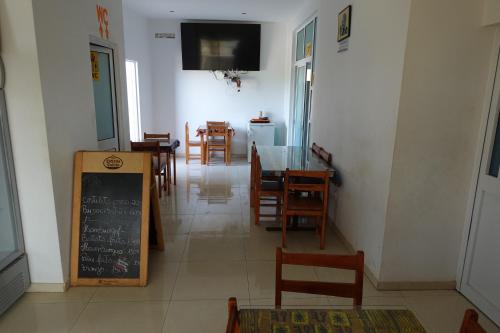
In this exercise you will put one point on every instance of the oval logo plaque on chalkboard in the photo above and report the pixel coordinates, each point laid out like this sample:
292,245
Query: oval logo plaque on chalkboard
113,162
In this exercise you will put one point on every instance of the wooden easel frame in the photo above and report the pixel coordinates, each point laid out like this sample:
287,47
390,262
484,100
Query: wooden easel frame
96,162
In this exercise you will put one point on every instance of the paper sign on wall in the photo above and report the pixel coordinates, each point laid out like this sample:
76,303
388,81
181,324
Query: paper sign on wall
94,59
103,20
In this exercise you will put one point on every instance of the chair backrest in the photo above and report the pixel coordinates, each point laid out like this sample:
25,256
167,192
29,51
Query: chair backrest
322,153
315,148
307,181
217,130
150,146
325,156
257,173
186,130
216,123
349,262
156,136
233,322
252,165
470,323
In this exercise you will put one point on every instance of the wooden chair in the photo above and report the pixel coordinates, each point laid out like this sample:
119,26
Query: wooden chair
316,185
470,323
216,123
267,193
315,148
233,322
349,262
170,159
159,163
322,153
253,158
325,156
217,140
191,143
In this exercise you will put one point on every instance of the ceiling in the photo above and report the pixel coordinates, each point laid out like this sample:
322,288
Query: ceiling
256,10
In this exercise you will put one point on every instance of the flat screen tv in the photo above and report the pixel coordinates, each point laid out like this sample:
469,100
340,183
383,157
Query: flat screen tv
220,46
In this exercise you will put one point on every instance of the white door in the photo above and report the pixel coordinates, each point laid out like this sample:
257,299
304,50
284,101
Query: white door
481,275
103,78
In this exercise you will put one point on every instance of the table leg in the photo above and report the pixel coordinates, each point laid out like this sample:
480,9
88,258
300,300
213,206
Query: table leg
202,149
205,149
228,149
167,183
175,167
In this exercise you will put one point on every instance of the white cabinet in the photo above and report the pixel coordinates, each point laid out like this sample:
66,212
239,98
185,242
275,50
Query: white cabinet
262,134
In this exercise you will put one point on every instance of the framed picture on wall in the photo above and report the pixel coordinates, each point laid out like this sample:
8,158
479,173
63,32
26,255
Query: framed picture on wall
344,24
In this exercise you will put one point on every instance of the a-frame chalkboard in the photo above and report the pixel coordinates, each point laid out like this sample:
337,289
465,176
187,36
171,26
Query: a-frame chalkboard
111,210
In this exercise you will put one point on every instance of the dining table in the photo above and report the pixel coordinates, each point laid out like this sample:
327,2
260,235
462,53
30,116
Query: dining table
167,146
201,131
275,160
328,320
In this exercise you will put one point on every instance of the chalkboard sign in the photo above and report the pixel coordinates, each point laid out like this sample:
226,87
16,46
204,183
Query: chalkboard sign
110,218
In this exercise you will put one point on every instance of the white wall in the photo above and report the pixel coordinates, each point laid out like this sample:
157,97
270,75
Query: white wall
355,105
491,12
51,106
137,44
196,96
444,86
29,141
63,30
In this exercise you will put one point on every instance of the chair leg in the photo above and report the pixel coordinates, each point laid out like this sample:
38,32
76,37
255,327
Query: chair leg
165,180
175,168
278,207
252,204
256,209
283,231
187,154
169,178
159,184
322,232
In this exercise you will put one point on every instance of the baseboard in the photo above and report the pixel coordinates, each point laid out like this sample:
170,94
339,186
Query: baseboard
395,285
47,288
417,285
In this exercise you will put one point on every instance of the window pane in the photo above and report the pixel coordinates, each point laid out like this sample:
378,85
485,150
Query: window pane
300,45
309,39
103,96
495,155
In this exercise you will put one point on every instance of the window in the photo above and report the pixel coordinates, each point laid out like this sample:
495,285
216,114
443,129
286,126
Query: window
134,108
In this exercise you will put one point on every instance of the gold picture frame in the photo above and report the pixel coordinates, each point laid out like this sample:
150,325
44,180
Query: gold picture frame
344,24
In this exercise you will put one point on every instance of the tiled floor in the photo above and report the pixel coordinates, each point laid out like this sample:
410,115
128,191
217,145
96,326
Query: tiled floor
213,251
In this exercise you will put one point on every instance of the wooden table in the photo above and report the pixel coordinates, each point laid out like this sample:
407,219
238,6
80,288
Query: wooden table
202,132
327,320
168,146
277,159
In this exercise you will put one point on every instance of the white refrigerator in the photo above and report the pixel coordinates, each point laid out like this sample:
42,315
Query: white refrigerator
261,133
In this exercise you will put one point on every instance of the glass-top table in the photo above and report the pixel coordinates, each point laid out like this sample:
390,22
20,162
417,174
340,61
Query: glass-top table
279,158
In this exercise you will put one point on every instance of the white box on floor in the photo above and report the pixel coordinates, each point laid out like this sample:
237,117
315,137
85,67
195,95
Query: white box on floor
262,134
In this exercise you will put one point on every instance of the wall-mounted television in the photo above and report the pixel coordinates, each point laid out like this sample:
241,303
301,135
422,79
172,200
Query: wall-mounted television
220,46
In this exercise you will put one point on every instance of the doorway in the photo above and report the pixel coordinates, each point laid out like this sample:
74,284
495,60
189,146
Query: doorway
303,81
481,273
134,104
103,80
